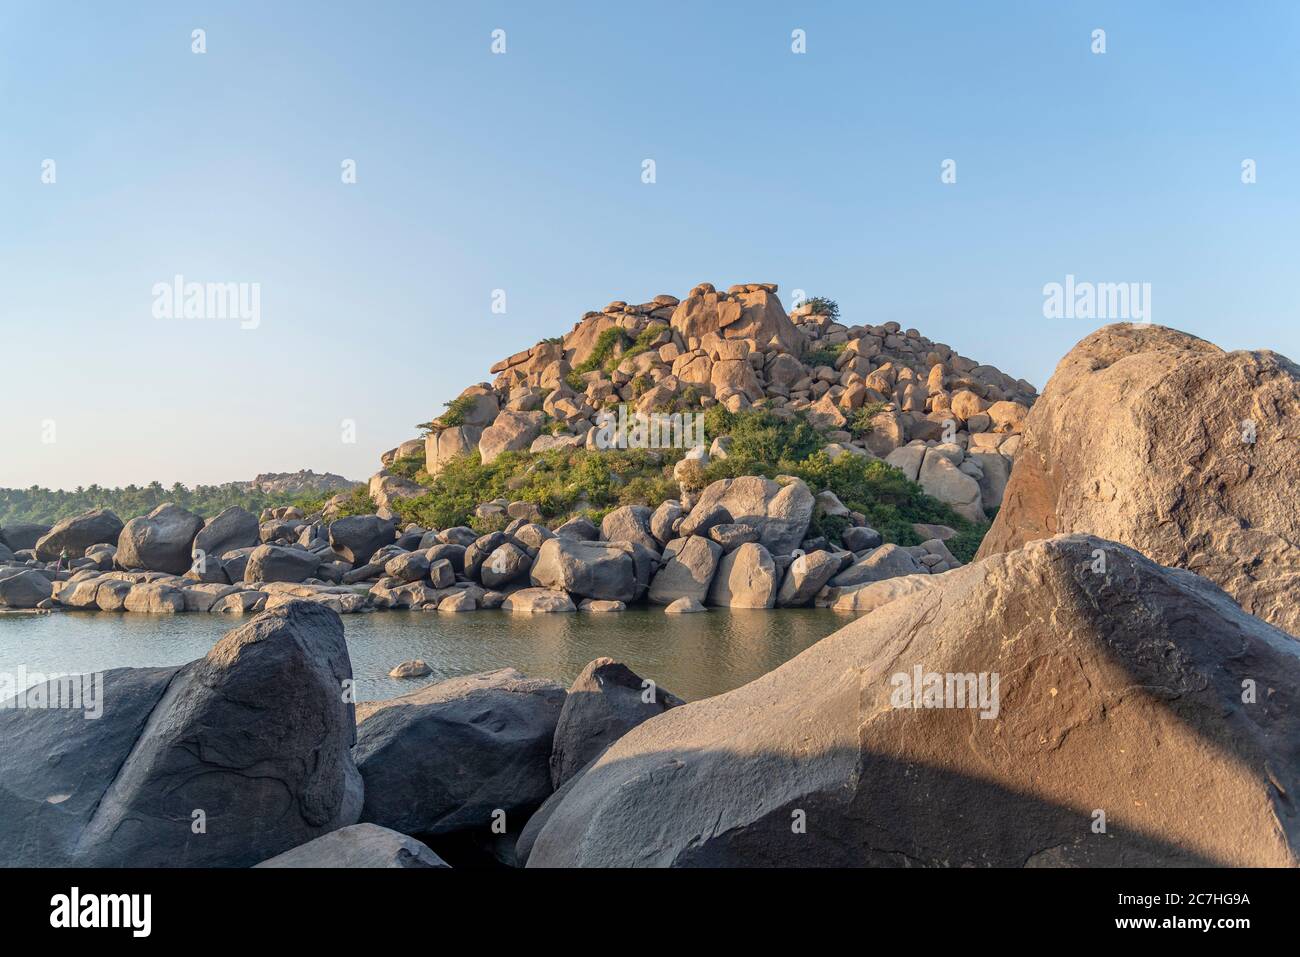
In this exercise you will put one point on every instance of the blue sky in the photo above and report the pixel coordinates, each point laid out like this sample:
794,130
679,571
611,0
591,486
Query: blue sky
522,172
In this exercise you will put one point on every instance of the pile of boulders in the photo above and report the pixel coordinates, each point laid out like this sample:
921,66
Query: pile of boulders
741,349
162,777
741,543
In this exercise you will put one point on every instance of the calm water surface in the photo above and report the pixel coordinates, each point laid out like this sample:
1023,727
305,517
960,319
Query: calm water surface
693,656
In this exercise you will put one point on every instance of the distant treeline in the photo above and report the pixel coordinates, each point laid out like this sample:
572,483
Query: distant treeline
47,506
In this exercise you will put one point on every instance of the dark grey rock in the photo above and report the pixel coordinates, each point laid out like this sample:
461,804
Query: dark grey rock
477,551
358,537
25,589
408,566
444,758
452,553
857,538
256,736
158,542
278,563
78,533
24,535
606,701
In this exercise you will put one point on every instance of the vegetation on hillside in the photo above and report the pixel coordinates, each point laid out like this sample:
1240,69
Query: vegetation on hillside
765,444
560,482
565,482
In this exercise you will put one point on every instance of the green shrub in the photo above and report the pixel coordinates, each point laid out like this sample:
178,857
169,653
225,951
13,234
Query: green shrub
602,351
821,306
966,542
825,356
762,443
408,466
558,481
860,424
565,482
890,501
642,342
831,526
457,409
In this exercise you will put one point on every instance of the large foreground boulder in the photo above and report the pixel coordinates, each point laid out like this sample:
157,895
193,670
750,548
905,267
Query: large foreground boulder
780,512
1164,442
78,533
158,542
444,758
225,761
1139,718
359,846
606,701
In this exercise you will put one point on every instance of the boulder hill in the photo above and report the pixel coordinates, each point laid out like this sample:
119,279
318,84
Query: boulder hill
879,391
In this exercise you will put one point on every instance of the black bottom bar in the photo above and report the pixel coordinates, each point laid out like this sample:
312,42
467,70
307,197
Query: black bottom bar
349,907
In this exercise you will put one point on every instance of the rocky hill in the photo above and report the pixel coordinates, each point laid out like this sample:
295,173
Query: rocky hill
302,482
946,421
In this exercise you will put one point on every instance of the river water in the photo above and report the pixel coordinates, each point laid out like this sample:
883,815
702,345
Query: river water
693,656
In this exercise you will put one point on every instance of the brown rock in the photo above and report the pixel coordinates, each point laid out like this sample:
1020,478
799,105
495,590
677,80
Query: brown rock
1138,437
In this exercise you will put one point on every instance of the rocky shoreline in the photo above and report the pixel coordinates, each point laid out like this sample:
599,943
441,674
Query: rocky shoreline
667,556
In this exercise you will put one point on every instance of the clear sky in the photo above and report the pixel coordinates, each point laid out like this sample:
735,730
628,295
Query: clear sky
523,172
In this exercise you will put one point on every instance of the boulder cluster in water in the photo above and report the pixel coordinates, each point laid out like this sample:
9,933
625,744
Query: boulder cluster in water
1129,610
743,545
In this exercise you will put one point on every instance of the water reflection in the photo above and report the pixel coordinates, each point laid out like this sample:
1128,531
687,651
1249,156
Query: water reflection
693,656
